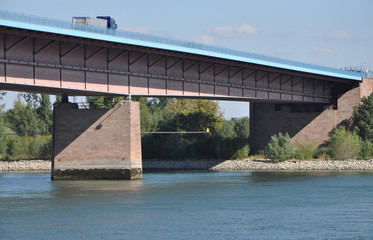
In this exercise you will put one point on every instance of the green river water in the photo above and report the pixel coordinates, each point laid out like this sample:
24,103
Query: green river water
190,205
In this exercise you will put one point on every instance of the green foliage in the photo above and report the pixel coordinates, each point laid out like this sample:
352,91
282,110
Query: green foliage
27,147
305,150
2,105
362,119
34,116
366,151
242,128
344,144
2,127
322,153
197,113
103,101
42,107
279,148
31,115
242,152
226,139
22,118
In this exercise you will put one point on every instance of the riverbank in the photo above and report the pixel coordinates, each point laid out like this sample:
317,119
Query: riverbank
228,165
25,165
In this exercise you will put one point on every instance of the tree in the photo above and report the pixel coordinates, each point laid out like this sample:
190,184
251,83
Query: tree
43,108
22,118
103,101
34,116
2,126
196,114
362,119
2,105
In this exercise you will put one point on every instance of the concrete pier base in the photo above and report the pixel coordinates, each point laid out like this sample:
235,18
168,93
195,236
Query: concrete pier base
96,144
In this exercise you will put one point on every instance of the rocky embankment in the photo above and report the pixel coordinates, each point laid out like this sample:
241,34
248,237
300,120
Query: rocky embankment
228,165
260,165
25,165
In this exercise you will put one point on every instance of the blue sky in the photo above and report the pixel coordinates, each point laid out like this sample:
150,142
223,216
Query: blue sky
333,33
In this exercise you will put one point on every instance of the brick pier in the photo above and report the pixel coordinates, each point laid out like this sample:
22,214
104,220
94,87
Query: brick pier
304,122
96,143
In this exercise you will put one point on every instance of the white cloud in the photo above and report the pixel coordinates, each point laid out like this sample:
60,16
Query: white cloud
234,31
138,29
339,35
324,52
206,39
246,29
222,30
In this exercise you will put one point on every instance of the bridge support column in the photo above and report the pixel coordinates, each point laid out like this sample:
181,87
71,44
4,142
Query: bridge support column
100,144
303,122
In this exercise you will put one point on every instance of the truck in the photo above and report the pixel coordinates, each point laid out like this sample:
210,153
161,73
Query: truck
99,21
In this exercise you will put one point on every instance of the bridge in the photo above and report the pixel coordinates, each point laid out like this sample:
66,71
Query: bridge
60,57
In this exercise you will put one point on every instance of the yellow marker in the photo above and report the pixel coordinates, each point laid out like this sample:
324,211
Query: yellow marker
207,130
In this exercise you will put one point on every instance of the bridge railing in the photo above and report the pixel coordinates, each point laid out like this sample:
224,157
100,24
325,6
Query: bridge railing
19,17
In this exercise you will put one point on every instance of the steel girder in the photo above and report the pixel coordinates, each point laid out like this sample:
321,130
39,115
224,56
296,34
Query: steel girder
34,61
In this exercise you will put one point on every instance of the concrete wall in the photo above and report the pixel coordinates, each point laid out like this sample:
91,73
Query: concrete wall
97,143
266,120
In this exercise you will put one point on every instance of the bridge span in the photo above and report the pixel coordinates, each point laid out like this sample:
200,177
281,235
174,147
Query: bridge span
59,57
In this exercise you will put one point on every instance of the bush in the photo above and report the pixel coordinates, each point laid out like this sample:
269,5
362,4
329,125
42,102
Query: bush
27,147
2,147
279,148
366,151
305,150
242,152
17,148
322,153
344,144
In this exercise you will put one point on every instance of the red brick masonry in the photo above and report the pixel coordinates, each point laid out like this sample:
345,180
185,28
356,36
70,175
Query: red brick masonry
97,143
303,126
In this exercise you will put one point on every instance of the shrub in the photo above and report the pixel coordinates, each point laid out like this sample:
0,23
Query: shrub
279,148
17,148
242,152
322,153
344,144
366,151
27,147
305,150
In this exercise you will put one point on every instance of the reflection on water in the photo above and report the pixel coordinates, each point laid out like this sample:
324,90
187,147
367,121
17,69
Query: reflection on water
190,205
268,176
95,188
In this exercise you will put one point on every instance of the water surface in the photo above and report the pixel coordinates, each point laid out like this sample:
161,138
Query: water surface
190,205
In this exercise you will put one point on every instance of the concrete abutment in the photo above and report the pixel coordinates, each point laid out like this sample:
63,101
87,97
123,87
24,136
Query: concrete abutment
303,122
97,144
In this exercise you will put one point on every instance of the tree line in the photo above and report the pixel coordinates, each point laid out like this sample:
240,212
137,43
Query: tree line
25,129
199,130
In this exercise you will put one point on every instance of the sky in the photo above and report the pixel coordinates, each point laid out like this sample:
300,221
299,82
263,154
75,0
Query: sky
332,33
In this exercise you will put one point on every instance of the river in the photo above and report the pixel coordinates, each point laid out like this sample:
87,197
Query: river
190,205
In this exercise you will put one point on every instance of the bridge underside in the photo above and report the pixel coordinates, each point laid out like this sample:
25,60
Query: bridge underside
59,64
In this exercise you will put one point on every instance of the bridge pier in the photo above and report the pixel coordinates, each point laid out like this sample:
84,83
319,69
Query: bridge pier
99,144
304,122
